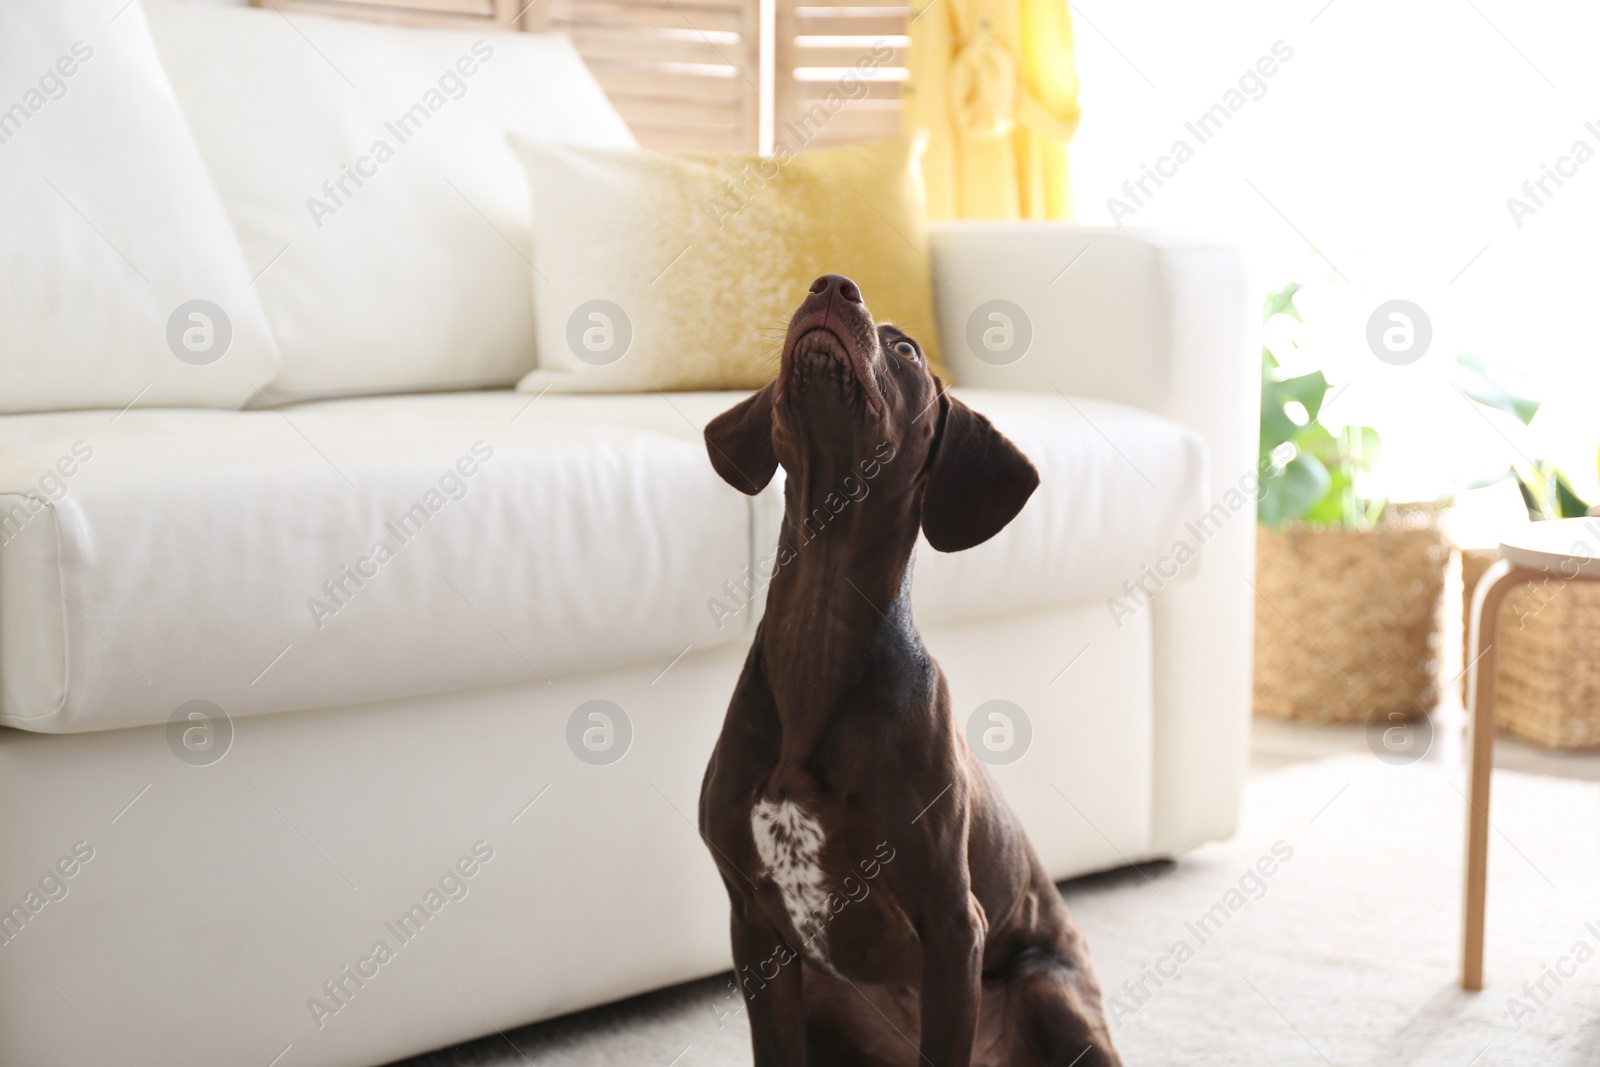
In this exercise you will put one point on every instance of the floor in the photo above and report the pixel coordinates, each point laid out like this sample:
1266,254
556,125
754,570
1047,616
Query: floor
1276,744
1349,956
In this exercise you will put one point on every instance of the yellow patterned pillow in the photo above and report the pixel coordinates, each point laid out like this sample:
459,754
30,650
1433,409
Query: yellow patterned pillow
658,271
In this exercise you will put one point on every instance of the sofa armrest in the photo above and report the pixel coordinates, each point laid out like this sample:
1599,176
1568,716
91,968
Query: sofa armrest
1162,323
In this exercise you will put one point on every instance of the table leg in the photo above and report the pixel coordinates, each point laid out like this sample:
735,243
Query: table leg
1496,583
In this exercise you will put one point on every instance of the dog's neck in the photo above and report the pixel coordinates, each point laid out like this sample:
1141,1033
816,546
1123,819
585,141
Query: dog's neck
841,584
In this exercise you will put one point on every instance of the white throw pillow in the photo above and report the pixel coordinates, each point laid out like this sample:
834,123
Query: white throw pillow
120,279
367,173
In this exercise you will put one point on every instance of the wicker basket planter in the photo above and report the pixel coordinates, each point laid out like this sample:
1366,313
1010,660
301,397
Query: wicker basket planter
1348,623
1548,690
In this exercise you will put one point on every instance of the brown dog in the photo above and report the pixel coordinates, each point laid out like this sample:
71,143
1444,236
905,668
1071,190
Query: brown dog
887,908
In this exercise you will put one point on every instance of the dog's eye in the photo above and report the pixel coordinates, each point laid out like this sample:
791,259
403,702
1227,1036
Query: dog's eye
906,348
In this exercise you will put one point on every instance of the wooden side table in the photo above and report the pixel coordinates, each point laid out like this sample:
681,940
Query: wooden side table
1552,553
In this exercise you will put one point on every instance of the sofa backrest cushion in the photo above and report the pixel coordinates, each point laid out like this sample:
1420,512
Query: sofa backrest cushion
367,173
120,279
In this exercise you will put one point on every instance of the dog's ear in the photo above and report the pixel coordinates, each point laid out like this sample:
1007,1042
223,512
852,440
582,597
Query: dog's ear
977,480
739,442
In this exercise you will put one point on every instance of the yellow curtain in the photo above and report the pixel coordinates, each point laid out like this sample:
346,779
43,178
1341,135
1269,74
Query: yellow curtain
994,85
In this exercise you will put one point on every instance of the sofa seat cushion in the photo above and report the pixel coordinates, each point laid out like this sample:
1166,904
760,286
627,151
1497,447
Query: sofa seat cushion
347,551
356,550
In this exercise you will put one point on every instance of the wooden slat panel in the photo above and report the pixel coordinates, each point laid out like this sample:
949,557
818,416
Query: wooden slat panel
846,57
879,91
683,73
487,13
846,8
805,13
645,79
785,24
819,42
861,42
838,133
616,10
725,18
892,27
852,116
678,111
480,8
832,76
850,122
850,133
668,34
689,139
846,118
607,43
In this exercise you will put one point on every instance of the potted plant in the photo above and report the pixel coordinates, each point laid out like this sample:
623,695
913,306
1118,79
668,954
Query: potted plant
1350,589
1548,687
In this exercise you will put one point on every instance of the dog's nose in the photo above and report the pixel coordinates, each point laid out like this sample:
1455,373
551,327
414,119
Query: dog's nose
837,283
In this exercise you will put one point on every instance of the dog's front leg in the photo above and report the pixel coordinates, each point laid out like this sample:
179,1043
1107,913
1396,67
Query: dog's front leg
768,972
952,938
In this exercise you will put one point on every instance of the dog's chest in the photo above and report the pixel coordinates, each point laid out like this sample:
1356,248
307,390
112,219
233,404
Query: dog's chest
789,841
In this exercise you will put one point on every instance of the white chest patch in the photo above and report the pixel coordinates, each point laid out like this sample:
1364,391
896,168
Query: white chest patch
789,842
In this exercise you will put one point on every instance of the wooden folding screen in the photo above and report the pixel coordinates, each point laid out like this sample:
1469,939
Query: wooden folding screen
689,74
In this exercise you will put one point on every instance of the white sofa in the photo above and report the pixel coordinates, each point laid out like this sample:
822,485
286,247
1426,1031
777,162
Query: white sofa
400,763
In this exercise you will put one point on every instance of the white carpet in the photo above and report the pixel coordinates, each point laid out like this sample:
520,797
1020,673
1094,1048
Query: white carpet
1345,954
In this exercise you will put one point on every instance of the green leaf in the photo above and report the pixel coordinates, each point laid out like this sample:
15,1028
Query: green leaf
1290,492
1331,509
1309,389
1481,381
1314,439
1276,425
1568,504
1529,501
1282,303
1352,451
1542,491
1360,447
1371,445
1484,481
